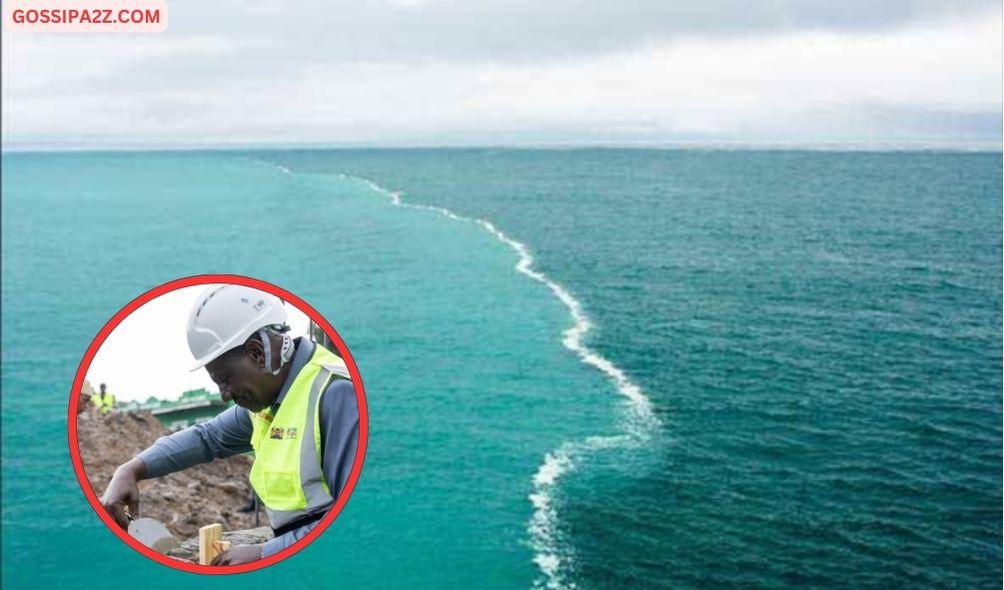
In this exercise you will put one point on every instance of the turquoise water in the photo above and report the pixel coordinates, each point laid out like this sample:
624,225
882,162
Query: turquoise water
817,336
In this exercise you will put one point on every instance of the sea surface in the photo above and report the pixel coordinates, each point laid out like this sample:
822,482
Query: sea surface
690,368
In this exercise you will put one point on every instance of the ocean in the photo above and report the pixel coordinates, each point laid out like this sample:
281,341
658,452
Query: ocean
585,368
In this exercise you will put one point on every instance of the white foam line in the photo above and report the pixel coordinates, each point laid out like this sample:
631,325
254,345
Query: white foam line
551,558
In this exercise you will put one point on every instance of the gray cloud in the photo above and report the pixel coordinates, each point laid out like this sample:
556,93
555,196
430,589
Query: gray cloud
248,40
504,30
498,69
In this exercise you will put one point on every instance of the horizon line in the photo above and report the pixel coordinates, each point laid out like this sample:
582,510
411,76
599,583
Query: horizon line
973,145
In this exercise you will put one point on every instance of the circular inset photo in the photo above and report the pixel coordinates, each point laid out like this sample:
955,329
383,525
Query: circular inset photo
217,424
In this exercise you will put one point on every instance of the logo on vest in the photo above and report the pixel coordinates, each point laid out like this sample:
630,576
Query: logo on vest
279,433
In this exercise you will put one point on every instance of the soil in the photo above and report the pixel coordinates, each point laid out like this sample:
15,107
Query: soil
183,501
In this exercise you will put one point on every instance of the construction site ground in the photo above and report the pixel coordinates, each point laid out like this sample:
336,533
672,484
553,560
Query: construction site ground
183,501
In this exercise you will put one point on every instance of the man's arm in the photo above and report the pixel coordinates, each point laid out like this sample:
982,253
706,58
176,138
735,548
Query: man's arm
339,422
227,434
339,434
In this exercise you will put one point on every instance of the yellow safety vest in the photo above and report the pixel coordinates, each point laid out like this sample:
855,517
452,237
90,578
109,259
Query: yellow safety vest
287,473
104,405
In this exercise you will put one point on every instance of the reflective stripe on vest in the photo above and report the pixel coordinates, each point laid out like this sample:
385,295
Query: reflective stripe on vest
286,473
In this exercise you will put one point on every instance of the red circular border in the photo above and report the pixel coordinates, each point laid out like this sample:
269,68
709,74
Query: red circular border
138,302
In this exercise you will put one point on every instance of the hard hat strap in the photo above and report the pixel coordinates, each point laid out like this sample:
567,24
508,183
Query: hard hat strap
285,353
287,350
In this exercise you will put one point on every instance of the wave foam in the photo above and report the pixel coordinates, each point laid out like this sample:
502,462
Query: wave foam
554,558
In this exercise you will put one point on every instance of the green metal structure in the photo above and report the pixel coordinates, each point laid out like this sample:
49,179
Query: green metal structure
194,406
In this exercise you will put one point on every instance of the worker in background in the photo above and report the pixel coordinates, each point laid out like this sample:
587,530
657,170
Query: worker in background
86,397
295,407
103,401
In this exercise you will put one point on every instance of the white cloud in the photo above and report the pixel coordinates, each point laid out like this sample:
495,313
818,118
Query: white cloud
834,80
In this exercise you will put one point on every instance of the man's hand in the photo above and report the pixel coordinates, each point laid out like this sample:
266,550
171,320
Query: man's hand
238,554
122,492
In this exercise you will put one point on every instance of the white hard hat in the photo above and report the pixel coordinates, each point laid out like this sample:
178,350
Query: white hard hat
225,316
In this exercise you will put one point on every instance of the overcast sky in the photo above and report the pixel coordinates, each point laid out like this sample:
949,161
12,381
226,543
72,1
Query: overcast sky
516,71
135,365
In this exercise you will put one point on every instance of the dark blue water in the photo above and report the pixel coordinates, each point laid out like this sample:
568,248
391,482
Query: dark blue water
820,333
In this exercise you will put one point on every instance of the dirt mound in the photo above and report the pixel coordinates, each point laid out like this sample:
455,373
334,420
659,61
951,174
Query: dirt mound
183,501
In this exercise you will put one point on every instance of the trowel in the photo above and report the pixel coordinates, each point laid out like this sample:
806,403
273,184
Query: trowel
152,533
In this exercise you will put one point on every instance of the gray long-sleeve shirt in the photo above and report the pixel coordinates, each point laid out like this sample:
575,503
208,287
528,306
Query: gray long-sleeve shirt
229,433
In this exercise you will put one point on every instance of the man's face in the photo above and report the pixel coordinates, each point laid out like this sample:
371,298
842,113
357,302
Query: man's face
242,380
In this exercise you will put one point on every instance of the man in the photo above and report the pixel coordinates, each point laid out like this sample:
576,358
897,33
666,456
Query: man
104,402
295,407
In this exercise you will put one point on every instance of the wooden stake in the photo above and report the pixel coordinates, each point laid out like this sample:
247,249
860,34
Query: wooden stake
209,538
